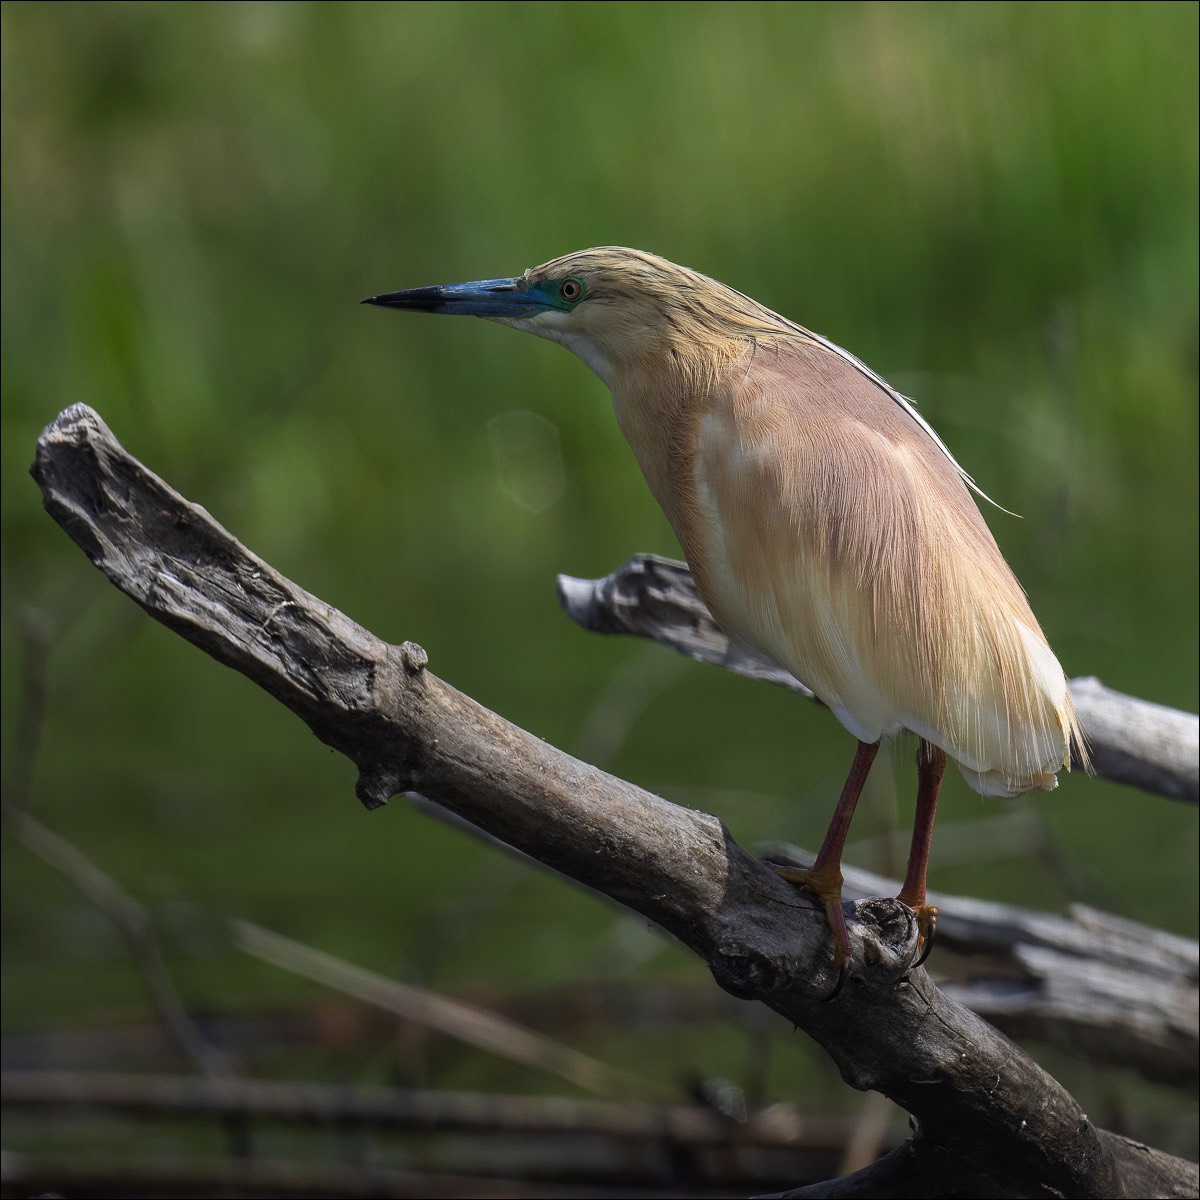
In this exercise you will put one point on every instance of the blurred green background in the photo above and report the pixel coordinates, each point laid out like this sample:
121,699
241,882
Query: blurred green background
993,205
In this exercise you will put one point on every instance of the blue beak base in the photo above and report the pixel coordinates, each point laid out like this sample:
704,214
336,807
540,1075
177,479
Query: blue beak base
483,298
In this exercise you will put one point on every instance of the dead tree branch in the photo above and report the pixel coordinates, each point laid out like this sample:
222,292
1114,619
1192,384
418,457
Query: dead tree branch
987,1115
417,1108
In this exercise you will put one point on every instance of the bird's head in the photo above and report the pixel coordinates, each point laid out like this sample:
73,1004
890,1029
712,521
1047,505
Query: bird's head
611,306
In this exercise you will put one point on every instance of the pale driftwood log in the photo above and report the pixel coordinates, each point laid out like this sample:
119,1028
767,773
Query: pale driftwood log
1131,741
1108,989
989,1119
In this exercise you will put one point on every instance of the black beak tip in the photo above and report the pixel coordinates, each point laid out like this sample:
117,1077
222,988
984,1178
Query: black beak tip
370,300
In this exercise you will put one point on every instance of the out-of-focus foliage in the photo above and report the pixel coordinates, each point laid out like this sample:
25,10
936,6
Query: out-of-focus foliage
994,205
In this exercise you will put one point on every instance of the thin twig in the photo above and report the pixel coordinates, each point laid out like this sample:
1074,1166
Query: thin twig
476,1026
133,923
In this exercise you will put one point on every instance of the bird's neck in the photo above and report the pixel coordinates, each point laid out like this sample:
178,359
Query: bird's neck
659,399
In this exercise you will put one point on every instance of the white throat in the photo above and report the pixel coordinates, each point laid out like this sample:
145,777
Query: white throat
554,327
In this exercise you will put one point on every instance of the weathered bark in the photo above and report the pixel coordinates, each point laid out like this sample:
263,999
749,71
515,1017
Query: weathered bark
993,1120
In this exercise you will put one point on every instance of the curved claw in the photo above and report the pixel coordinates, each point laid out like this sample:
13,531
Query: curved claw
843,975
927,915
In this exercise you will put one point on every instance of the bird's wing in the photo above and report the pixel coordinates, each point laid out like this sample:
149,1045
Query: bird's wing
827,530
904,403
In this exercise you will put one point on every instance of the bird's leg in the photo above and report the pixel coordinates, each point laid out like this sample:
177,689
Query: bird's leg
931,766
824,877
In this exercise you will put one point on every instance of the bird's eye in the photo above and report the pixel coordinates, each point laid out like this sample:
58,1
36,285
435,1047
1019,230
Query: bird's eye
571,290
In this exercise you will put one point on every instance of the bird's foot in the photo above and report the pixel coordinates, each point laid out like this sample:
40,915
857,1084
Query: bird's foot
927,915
826,884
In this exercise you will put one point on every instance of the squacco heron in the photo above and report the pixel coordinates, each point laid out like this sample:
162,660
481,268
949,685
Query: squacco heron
826,524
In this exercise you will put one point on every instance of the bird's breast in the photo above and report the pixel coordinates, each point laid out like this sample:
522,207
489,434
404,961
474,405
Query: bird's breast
766,573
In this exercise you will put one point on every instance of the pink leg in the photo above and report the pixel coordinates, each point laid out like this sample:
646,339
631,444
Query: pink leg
824,877
931,767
